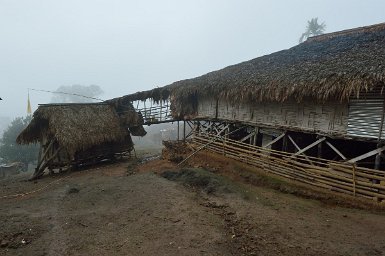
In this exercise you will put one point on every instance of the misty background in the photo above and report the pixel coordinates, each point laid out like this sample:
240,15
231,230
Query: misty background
127,46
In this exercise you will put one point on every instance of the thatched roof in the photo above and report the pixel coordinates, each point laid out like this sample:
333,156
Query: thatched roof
75,126
331,66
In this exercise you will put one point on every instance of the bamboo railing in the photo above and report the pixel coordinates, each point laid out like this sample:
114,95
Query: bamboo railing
327,174
156,114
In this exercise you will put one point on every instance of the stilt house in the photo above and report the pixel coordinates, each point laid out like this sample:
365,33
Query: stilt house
78,134
316,106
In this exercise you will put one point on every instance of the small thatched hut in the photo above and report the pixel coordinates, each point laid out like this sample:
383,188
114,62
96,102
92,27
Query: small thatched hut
76,134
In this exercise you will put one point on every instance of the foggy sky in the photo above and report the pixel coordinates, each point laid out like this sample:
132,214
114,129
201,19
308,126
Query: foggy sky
127,46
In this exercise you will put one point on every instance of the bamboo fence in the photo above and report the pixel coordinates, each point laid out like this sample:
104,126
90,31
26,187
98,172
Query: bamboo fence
322,173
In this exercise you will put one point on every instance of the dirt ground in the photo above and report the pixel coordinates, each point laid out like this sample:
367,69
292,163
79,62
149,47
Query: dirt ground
157,208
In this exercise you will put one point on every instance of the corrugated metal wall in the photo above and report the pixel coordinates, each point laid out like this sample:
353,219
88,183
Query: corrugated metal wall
365,116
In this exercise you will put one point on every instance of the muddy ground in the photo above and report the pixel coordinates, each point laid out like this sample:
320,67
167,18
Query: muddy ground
157,208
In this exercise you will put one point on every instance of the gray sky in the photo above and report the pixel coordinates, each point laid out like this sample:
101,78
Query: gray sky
126,46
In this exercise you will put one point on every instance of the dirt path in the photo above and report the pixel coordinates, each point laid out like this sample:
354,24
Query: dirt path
107,212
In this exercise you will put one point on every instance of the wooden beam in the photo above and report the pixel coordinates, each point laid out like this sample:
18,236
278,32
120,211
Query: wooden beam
247,136
335,150
39,171
45,153
190,125
275,140
206,128
178,131
256,130
310,146
366,155
190,134
184,130
298,148
205,145
223,129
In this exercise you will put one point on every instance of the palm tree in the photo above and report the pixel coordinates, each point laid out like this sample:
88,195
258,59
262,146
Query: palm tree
313,29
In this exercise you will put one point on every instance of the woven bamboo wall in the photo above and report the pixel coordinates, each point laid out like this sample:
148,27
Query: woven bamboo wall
329,117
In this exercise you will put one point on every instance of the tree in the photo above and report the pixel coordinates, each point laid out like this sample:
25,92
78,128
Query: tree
10,151
313,29
76,94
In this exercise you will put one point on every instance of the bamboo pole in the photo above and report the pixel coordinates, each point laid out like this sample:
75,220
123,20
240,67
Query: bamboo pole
199,149
354,179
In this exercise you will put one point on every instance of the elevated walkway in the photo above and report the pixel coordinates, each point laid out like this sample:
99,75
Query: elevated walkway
156,114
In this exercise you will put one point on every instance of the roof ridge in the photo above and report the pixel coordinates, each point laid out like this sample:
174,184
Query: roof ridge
359,30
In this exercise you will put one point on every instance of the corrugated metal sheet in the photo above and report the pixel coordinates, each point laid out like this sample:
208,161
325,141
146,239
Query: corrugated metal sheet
365,117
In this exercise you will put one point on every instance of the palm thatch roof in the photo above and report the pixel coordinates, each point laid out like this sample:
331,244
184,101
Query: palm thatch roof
332,66
76,127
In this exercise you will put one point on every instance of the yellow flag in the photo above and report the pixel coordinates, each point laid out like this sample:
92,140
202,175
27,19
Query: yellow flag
29,110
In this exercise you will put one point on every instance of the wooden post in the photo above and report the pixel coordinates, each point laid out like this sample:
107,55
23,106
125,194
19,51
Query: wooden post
354,179
335,150
40,152
198,125
377,161
256,131
284,143
223,146
309,146
275,140
298,149
215,138
366,155
167,115
178,130
44,154
145,112
151,109
160,112
39,171
184,130
319,148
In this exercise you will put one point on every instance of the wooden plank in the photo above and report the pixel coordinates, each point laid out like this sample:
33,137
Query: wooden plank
213,140
274,141
335,150
223,129
39,171
366,155
45,153
247,137
205,128
354,179
298,148
310,146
